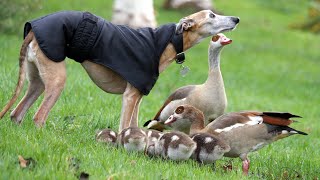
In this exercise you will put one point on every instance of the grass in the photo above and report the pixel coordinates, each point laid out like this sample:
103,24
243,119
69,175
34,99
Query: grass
268,67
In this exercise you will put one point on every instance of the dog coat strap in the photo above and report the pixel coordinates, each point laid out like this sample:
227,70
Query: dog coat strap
177,41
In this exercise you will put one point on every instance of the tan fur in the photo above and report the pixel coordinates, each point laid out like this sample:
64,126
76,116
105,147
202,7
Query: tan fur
49,76
18,89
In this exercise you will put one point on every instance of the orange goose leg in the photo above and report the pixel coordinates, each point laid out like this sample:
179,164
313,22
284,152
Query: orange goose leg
245,164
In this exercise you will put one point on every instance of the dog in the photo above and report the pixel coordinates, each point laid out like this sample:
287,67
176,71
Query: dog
46,70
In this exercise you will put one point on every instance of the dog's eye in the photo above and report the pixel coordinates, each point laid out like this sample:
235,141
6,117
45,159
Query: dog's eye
212,15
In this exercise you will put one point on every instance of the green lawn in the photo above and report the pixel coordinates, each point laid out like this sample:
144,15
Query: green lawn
268,67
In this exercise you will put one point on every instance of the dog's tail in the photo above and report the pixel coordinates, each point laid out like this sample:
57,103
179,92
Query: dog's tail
22,74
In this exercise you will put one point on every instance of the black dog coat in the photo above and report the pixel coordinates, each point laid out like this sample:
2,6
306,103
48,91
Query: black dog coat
134,54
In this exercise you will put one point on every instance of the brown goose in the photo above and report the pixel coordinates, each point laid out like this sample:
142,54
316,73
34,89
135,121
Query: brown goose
209,97
244,132
249,131
187,119
209,147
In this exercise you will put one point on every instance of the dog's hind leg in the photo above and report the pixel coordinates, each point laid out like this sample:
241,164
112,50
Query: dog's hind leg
35,89
130,101
53,75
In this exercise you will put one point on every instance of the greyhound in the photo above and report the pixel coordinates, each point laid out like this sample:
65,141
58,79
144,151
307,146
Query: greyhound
48,75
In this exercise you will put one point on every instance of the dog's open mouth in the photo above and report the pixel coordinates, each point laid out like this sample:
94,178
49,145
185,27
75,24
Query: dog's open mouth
228,29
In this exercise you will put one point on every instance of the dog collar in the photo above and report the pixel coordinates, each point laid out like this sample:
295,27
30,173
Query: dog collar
177,42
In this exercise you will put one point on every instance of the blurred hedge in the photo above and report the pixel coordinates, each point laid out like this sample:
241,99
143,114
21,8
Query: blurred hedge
312,21
13,14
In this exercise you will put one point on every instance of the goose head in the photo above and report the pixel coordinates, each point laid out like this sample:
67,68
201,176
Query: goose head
184,118
220,40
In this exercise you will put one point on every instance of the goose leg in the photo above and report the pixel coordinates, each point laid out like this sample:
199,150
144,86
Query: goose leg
213,166
245,164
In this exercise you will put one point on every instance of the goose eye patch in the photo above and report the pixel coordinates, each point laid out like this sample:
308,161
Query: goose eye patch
179,110
215,38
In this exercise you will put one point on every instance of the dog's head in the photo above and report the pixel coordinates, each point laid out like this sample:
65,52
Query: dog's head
205,23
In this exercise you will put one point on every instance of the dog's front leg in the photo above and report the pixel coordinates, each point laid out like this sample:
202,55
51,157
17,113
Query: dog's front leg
130,106
134,117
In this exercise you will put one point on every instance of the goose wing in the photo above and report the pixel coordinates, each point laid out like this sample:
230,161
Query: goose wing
237,119
179,94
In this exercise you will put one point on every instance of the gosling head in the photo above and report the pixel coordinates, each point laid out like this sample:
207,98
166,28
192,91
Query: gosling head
107,136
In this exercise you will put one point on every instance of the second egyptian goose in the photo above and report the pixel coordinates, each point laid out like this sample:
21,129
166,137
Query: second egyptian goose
249,131
243,132
209,97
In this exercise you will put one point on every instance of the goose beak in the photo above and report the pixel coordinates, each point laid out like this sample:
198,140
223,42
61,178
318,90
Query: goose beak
225,41
170,120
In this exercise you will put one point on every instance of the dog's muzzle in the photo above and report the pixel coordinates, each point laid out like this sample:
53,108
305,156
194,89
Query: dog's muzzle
236,20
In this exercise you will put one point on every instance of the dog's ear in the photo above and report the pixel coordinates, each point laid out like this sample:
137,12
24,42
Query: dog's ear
184,24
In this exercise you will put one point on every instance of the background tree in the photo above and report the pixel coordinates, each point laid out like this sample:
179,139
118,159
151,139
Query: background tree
134,13
195,5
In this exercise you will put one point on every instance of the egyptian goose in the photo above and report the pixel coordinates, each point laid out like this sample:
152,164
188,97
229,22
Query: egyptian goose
249,131
244,132
209,97
209,147
175,145
107,136
187,119
133,139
